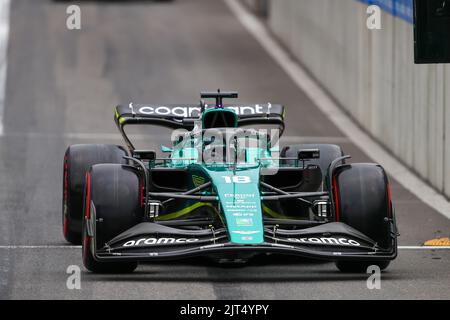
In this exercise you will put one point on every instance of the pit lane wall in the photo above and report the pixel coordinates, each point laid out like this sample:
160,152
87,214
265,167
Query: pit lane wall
371,73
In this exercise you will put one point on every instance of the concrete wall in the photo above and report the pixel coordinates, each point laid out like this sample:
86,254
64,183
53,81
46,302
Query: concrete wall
404,106
4,31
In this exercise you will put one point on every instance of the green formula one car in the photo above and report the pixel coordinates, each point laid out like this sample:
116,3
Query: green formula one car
223,190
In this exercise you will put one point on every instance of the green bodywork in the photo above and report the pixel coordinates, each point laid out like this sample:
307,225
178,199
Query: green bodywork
240,203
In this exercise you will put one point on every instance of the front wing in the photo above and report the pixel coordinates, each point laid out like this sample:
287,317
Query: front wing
333,241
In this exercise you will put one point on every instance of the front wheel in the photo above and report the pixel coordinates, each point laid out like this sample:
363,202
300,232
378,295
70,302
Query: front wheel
113,193
362,201
95,266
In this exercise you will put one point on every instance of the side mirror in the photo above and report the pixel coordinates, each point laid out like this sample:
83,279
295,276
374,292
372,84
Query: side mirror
165,149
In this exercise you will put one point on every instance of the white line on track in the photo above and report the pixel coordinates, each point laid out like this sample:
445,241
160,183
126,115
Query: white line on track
424,247
4,33
326,104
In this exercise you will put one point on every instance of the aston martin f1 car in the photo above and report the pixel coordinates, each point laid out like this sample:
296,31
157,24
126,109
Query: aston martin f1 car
223,189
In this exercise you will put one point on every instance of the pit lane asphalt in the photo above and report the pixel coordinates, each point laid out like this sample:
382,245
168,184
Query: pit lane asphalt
61,89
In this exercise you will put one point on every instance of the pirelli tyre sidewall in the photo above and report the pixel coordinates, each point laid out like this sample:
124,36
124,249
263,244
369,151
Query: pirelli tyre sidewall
77,160
114,192
362,200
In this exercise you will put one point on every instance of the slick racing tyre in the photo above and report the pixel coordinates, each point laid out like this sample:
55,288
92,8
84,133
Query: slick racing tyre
328,153
113,193
77,160
362,200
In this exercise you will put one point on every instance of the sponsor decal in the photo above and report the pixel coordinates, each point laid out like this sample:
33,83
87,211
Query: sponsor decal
248,222
239,195
191,112
131,108
158,241
246,232
326,241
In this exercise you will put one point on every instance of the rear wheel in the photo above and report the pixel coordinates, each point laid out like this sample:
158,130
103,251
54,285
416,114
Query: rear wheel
362,201
113,192
77,160
328,153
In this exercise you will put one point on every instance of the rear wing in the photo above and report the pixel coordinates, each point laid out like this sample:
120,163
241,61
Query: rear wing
184,116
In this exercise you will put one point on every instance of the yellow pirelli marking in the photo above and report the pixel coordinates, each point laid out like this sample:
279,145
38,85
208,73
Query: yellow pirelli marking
440,242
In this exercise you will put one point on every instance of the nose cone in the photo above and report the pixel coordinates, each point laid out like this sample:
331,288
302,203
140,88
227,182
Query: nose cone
241,204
